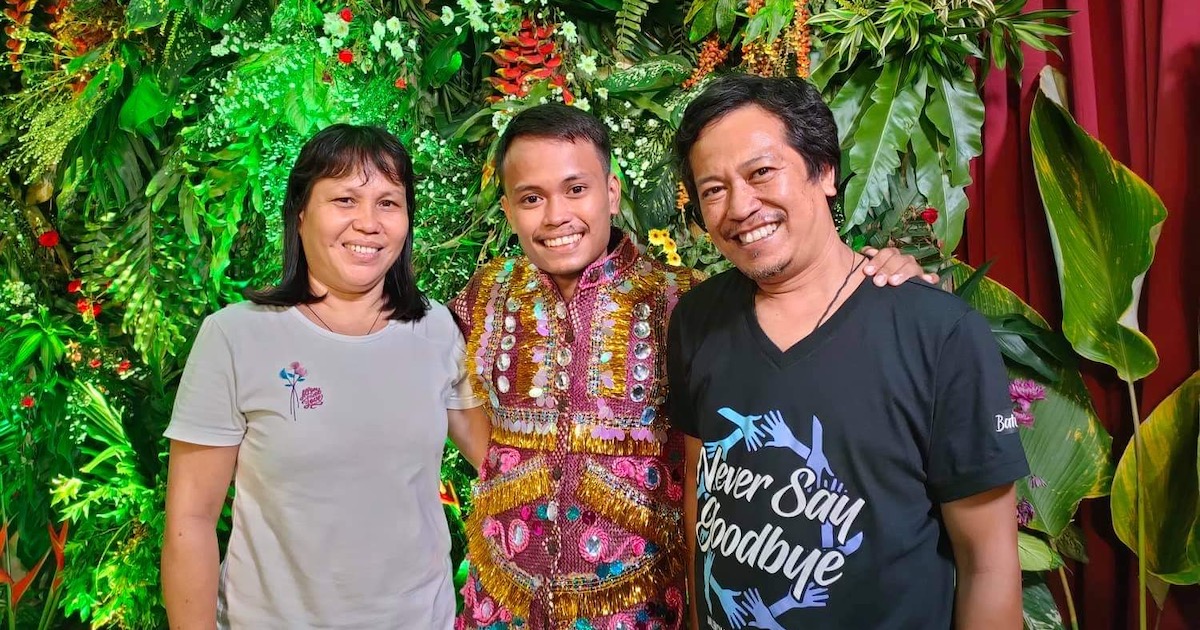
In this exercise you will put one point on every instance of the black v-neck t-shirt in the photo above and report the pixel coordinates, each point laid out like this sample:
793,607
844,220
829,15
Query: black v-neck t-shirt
825,465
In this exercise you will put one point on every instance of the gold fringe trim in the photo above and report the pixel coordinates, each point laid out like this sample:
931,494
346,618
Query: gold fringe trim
583,442
509,586
533,441
614,499
528,482
636,586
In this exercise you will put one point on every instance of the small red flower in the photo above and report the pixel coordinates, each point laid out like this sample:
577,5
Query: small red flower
930,215
346,14
83,305
74,286
94,363
27,402
346,56
401,83
48,239
124,366
95,310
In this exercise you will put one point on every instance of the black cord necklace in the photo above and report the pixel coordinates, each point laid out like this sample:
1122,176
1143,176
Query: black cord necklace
310,310
854,267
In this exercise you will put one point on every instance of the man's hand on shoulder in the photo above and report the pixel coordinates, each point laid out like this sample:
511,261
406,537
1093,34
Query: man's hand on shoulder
889,266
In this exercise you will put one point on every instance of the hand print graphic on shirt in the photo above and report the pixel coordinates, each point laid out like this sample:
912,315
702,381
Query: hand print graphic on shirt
813,493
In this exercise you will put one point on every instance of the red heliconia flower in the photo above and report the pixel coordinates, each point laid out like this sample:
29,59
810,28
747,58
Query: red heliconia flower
401,83
74,286
930,215
94,363
58,541
48,239
346,14
27,402
346,56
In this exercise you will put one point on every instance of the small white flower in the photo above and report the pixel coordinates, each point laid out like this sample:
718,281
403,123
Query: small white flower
378,29
478,24
568,31
341,29
447,15
570,77
652,123
458,30
376,42
395,50
366,64
603,94
470,6
500,7
582,103
332,20
587,63
412,44
324,44
393,23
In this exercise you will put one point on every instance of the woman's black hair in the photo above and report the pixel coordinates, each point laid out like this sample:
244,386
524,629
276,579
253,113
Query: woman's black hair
337,151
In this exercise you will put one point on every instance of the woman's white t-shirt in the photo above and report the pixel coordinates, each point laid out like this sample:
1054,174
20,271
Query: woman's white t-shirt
336,518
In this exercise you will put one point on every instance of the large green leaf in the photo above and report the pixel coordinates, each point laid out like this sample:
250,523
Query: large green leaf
881,135
1038,609
1104,222
142,14
957,111
1036,554
1067,448
933,180
847,105
652,74
145,103
1170,487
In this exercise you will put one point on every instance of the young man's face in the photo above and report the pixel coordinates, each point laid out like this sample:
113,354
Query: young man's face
560,204
761,208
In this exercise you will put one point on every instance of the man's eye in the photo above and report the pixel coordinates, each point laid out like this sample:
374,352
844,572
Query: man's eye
577,190
762,171
529,199
708,192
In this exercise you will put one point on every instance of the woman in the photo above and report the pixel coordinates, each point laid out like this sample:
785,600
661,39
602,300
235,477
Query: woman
331,396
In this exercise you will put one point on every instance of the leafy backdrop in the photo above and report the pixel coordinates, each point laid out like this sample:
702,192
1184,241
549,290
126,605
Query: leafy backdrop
145,146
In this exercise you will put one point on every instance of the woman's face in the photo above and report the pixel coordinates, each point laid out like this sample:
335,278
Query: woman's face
353,229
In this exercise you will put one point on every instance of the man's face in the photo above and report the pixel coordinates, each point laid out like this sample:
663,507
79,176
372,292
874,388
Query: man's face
759,205
559,202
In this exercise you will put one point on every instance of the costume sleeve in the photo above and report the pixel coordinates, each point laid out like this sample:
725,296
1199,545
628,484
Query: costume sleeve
974,444
679,356
459,393
206,409
460,305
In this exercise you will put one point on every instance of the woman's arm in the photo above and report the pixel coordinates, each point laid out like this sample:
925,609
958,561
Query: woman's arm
197,484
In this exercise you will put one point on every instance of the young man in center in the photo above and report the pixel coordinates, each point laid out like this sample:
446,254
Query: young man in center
851,451
576,516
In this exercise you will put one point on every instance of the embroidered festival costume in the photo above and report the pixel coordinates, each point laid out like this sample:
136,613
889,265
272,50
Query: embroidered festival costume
576,518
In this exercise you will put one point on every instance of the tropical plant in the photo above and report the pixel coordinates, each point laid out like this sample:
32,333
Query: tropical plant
1104,223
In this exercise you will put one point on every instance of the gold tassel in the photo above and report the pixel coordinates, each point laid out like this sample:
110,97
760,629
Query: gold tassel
533,441
527,482
582,441
615,500
505,583
635,587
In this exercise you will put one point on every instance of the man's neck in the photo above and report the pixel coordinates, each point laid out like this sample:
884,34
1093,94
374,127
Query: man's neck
821,277
566,285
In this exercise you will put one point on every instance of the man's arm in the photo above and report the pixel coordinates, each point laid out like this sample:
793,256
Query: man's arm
691,458
983,534
197,483
470,430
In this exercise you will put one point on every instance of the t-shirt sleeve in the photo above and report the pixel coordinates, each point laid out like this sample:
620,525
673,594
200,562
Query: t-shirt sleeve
974,445
679,404
459,394
206,410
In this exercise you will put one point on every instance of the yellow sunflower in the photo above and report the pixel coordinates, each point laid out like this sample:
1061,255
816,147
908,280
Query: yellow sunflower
658,237
674,260
669,247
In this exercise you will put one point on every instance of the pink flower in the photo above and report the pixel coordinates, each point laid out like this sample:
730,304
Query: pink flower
929,215
311,397
1036,482
299,369
1024,418
1025,392
1024,512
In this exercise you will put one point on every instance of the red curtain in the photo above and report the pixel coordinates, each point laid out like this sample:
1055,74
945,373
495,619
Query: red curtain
1133,68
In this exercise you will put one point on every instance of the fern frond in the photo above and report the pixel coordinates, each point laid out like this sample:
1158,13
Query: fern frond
629,22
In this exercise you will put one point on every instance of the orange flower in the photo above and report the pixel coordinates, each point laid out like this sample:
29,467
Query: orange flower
58,541
18,588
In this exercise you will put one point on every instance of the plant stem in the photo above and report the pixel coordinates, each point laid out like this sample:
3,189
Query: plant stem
1062,573
1141,508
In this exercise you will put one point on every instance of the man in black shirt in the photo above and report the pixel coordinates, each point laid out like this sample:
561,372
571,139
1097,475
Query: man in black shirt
851,450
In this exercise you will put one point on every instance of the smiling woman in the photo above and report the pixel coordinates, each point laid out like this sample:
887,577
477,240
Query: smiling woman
327,399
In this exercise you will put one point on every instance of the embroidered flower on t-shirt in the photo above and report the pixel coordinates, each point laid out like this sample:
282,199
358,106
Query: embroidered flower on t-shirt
309,397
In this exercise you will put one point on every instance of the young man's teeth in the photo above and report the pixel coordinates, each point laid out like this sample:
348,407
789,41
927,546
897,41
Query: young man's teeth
563,240
359,249
759,234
